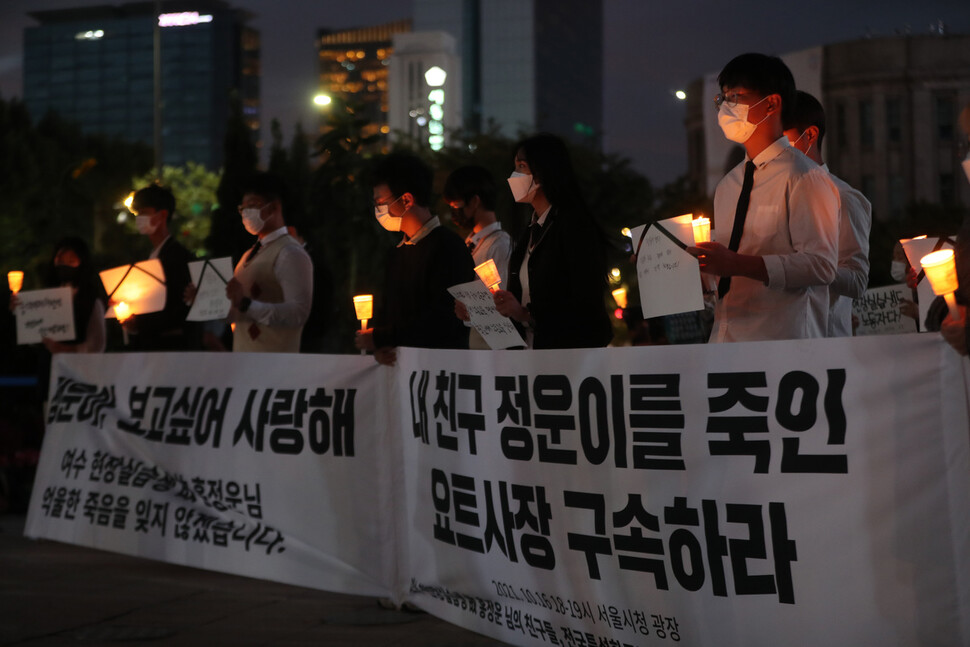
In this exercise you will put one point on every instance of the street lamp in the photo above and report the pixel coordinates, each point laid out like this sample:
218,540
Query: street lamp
322,100
435,77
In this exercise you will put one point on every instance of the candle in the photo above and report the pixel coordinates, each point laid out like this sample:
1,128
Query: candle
619,295
15,280
123,313
941,271
489,275
702,230
364,307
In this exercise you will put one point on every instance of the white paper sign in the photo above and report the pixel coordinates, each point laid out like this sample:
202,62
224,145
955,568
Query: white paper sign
498,332
45,313
917,248
878,311
140,285
670,278
210,278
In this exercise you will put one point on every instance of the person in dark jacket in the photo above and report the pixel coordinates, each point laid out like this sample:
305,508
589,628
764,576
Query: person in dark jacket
154,207
415,308
557,272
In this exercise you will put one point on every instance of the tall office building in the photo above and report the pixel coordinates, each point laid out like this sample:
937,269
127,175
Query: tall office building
95,65
527,65
354,69
891,108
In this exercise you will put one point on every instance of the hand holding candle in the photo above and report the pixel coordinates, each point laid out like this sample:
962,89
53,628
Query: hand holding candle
702,230
489,275
941,272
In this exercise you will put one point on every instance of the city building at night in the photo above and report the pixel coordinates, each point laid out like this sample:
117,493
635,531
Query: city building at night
425,82
891,108
354,70
527,65
95,65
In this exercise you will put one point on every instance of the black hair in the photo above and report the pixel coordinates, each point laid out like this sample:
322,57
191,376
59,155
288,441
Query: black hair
154,196
405,173
763,74
85,279
468,181
549,161
268,186
806,112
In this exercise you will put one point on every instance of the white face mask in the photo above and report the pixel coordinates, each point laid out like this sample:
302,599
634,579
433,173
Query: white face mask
144,225
523,187
795,143
734,121
252,218
898,271
383,214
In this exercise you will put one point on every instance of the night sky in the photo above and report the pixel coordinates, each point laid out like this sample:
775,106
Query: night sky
652,48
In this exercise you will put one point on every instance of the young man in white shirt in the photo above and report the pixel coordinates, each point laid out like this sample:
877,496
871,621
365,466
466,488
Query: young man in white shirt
471,195
776,264
805,129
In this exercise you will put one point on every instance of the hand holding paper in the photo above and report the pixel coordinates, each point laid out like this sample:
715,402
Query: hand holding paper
669,278
480,305
141,286
207,291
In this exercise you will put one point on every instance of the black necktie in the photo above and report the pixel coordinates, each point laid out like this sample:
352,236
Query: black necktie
253,252
739,215
535,234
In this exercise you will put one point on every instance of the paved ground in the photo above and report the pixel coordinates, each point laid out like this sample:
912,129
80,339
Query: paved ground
59,594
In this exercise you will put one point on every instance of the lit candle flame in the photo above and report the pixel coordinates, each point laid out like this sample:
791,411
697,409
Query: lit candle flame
364,306
488,273
941,271
122,311
15,280
702,230
619,295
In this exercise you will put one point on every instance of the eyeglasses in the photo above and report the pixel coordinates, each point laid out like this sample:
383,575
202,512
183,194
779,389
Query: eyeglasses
731,99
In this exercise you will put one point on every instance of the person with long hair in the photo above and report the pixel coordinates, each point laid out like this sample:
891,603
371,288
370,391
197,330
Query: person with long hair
557,273
71,266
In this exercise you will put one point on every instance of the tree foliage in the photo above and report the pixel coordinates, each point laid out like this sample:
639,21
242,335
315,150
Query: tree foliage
227,236
57,181
194,187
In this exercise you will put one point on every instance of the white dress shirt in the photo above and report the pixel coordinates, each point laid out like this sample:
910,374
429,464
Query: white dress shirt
792,224
852,274
294,272
490,242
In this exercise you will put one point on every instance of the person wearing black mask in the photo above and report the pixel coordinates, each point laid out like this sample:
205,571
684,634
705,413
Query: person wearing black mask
71,267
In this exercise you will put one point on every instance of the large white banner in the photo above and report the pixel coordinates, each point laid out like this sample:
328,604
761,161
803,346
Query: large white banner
779,493
271,466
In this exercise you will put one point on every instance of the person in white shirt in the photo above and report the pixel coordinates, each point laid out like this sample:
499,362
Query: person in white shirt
471,194
776,263
272,287
805,129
